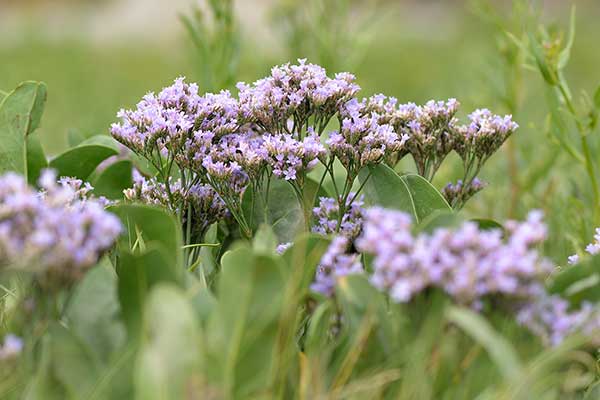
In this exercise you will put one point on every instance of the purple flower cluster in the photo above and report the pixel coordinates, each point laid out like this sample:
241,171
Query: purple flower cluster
274,128
427,131
206,207
55,233
457,194
337,261
329,220
592,248
159,122
431,131
295,93
484,135
467,263
549,318
289,158
363,139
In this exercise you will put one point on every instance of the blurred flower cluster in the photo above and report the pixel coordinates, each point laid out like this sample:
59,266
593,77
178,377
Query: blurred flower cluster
592,248
471,265
467,263
551,318
57,233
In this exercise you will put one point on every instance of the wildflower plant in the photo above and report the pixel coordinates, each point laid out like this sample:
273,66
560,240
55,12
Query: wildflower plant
262,244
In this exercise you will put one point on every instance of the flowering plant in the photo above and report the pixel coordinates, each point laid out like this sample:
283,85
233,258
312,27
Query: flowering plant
263,244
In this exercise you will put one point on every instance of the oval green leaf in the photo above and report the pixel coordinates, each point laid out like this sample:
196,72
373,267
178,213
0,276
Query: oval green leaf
20,114
409,193
81,161
111,182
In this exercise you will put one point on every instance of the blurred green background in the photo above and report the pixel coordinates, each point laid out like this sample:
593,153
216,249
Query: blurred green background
99,56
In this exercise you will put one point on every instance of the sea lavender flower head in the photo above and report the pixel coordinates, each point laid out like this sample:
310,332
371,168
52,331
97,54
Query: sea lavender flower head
467,263
297,92
484,135
215,119
160,122
291,159
431,132
206,205
53,233
458,193
152,192
327,215
362,139
551,318
338,261
383,106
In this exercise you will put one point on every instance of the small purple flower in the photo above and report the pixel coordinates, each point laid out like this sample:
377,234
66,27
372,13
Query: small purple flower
11,348
282,247
296,92
206,205
290,158
327,215
484,135
337,262
592,249
457,194
549,318
364,139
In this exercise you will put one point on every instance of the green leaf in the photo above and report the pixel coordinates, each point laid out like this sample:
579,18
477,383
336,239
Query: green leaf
152,224
579,282
426,198
303,257
565,54
208,255
264,241
36,159
537,51
113,180
317,334
72,362
93,312
74,137
283,212
244,327
439,219
487,224
169,358
367,326
81,161
358,297
312,192
102,140
409,193
20,114
44,385
138,273
499,349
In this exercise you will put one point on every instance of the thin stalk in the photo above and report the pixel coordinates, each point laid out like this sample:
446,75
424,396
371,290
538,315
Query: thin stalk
588,162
